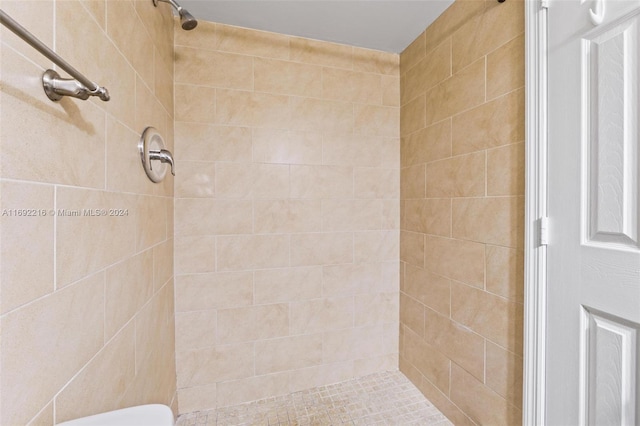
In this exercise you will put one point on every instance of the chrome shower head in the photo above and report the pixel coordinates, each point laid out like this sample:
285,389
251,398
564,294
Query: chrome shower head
187,21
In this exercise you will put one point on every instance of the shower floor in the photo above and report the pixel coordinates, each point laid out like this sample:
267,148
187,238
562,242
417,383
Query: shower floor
378,399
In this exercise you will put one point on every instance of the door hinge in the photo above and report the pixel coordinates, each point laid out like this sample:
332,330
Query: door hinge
544,4
543,231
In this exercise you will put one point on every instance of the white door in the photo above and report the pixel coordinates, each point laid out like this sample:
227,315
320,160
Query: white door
593,293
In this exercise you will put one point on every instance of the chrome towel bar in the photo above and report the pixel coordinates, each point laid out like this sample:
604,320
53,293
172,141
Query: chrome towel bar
55,87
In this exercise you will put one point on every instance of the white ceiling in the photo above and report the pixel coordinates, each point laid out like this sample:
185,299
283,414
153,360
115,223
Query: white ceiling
382,25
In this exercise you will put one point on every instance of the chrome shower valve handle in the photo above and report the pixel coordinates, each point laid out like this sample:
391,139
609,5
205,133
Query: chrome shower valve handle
163,156
151,148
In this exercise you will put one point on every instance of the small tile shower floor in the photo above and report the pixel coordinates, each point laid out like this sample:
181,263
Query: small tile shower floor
378,399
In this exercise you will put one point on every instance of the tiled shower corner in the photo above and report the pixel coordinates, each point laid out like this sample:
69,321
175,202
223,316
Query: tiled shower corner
387,398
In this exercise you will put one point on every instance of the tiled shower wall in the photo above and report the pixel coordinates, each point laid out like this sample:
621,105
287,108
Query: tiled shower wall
462,186
87,302
287,214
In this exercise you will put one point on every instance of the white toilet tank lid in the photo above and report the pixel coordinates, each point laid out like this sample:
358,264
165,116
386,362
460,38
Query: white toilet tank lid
141,415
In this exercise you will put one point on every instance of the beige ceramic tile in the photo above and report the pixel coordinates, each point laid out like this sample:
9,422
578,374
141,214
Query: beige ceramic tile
427,360
85,243
481,404
124,26
44,417
288,353
205,366
505,170
286,147
464,90
319,115
351,215
321,182
151,221
462,176
65,332
428,216
456,259
430,71
428,144
123,160
376,308
352,150
376,120
150,112
444,404
321,248
492,220
352,343
373,182
195,103
493,317
202,216
390,214
390,152
253,323
412,248
320,375
351,86
412,314
287,284
213,291
458,343
202,142
349,279
434,291
253,388
129,285
195,254
287,78
250,42
478,36
496,123
505,272
239,108
413,53
504,373
197,398
100,385
27,245
245,180
163,83
37,17
246,252
413,182
162,264
202,38
375,61
505,68
390,90
195,180
321,53
413,116
318,315
287,216
213,69
84,45
459,13
57,142
195,330
376,246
